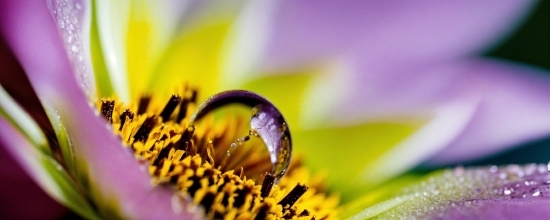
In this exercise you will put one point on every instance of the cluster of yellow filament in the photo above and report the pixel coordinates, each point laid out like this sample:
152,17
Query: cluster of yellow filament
204,163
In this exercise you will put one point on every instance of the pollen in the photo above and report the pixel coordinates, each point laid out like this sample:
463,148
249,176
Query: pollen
212,163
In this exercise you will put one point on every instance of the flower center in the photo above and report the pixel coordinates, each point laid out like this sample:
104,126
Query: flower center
205,163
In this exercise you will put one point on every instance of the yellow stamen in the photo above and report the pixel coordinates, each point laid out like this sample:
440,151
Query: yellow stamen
204,163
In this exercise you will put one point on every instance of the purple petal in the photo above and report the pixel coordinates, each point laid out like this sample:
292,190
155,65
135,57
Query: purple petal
73,21
531,209
511,103
514,109
115,179
388,32
510,192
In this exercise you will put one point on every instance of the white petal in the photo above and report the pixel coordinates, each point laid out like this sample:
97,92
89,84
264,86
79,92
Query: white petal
112,18
247,41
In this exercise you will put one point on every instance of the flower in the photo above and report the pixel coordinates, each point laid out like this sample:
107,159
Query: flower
452,115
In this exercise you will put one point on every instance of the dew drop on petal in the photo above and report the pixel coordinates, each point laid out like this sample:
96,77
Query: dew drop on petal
535,192
507,191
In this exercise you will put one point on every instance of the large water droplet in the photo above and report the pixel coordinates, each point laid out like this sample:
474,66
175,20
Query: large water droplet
264,117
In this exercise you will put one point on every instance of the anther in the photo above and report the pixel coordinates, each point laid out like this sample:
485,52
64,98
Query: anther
269,179
143,104
295,194
145,129
107,107
262,212
183,142
170,107
183,110
126,113
266,121
194,95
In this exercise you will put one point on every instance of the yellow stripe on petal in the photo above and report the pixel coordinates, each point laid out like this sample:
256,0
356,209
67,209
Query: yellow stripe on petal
349,150
193,58
142,47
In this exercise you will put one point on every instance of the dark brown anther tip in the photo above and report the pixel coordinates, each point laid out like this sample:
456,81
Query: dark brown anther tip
127,113
267,185
293,196
143,132
107,107
143,104
173,102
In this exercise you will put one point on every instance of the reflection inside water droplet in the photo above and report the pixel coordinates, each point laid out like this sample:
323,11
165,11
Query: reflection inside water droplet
266,122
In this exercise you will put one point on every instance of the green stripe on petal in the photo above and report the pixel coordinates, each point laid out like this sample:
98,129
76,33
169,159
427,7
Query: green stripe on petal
72,195
363,205
104,86
18,118
380,208
62,140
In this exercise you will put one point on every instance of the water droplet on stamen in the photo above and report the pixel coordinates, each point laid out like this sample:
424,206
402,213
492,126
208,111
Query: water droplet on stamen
264,115
233,145
228,153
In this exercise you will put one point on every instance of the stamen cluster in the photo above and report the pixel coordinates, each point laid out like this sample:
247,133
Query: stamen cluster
205,164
